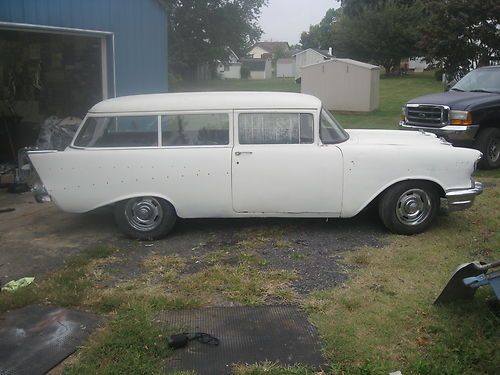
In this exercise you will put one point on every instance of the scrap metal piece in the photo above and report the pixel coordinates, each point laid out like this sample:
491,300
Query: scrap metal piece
456,289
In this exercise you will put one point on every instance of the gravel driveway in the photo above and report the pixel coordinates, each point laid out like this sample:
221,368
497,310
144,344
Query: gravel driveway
38,238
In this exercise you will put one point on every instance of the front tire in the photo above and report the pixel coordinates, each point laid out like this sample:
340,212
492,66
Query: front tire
409,207
488,142
145,218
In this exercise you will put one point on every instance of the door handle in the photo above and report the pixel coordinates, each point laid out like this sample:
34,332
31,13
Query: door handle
238,153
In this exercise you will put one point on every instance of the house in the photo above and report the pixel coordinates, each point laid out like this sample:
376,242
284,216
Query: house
270,50
343,84
231,68
309,56
285,68
68,55
258,68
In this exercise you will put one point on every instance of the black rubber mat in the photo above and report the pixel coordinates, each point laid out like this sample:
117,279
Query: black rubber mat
247,335
36,338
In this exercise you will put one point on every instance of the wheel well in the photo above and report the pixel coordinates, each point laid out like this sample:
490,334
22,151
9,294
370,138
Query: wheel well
439,188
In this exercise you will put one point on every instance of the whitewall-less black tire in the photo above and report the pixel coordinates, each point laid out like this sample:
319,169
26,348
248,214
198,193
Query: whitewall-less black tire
145,218
409,207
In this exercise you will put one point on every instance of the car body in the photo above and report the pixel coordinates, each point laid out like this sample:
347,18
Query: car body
248,154
466,115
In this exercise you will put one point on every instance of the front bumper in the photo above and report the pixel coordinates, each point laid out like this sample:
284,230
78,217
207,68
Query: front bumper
452,133
461,199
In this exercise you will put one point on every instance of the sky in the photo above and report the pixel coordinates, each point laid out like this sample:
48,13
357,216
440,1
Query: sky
284,20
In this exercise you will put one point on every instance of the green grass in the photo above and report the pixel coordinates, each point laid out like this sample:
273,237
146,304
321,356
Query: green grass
383,319
394,93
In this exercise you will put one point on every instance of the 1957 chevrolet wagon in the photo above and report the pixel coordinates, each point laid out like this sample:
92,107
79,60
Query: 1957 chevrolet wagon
155,158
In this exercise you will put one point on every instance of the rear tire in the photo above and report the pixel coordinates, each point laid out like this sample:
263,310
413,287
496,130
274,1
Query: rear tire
145,218
488,142
409,207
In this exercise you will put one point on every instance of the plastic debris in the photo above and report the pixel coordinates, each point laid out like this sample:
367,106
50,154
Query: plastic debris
57,133
14,285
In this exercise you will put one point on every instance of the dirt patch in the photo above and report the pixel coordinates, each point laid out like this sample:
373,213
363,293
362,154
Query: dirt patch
37,239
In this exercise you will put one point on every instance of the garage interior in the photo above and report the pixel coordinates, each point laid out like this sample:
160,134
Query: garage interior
44,74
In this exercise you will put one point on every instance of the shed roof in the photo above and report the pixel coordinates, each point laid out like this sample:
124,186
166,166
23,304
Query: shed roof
345,61
192,101
255,65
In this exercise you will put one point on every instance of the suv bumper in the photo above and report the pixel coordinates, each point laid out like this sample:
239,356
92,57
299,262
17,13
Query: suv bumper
452,133
461,199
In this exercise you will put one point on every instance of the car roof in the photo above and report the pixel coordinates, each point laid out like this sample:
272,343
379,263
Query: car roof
193,101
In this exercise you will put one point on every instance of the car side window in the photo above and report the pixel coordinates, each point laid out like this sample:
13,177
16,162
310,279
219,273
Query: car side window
275,128
195,129
120,131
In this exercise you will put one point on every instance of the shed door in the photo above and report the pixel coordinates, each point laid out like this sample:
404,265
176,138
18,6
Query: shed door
277,167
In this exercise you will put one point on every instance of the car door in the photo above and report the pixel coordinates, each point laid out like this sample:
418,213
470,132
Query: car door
279,166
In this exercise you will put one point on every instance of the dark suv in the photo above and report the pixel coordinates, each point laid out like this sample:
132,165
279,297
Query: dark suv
468,115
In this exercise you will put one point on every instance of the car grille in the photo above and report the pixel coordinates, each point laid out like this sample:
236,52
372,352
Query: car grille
427,115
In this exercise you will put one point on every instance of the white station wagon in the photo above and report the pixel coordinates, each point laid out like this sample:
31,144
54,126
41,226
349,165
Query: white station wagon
155,158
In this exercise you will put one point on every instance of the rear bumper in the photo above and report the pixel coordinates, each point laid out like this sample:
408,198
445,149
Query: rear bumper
41,195
461,199
452,133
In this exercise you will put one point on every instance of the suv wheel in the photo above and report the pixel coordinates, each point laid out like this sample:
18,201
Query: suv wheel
488,142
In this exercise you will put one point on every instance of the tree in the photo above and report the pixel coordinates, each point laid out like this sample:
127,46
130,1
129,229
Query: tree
461,35
200,31
320,35
382,34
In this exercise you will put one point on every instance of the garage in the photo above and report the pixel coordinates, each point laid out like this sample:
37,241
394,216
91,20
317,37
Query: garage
59,58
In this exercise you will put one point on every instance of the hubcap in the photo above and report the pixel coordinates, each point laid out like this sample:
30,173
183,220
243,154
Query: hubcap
144,214
413,207
494,150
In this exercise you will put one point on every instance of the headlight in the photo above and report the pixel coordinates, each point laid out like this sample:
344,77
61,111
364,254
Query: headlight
403,113
460,118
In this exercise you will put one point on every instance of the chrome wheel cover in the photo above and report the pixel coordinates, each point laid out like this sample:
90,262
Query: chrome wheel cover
144,214
493,151
413,207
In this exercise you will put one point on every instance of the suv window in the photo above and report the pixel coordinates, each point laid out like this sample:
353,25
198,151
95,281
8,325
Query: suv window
195,129
120,131
275,128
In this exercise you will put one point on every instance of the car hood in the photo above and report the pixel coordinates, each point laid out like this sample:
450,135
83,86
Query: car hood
394,138
462,101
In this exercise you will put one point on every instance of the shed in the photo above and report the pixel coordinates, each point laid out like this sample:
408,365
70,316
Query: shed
308,57
60,57
285,68
343,84
259,68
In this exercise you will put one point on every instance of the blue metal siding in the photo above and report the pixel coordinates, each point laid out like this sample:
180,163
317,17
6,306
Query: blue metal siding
139,28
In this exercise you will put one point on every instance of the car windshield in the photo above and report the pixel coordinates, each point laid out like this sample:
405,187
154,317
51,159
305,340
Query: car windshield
330,130
480,80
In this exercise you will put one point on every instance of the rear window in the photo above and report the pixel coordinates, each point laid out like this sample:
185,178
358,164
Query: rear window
122,131
207,129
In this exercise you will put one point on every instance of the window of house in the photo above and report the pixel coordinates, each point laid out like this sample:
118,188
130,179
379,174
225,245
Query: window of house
120,131
275,128
195,129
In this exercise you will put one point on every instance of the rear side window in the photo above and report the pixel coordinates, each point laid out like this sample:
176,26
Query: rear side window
207,129
275,128
121,131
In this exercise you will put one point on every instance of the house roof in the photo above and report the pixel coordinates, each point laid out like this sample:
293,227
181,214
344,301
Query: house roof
272,47
195,101
255,65
324,53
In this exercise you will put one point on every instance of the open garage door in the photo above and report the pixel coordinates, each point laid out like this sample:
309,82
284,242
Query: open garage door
45,74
